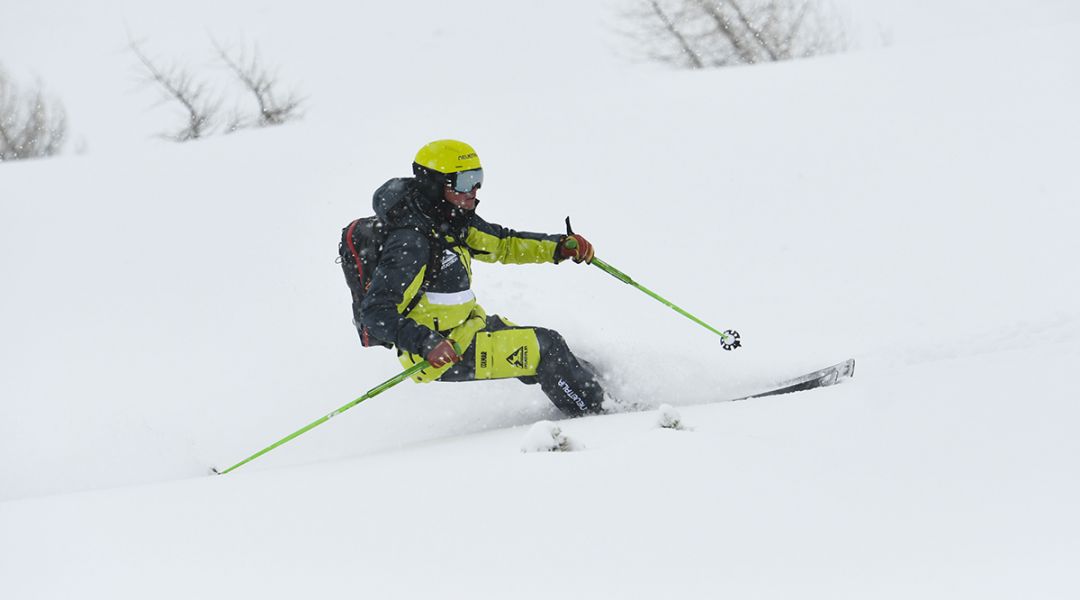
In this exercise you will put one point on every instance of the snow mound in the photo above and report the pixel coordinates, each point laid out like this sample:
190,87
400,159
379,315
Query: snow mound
669,418
545,436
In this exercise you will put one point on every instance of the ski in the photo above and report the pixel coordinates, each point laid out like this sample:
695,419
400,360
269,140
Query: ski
820,378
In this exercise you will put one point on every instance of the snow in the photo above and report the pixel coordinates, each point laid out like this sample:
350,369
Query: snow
166,308
667,417
545,436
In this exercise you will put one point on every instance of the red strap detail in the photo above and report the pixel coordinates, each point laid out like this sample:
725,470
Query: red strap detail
365,340
352,248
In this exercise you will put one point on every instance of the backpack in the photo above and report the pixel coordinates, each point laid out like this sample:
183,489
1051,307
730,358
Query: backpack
359,251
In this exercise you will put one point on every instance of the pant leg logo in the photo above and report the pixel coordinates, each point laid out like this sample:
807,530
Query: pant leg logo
571,394
519,358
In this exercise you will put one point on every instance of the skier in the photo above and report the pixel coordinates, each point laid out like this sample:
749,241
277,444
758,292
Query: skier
420,298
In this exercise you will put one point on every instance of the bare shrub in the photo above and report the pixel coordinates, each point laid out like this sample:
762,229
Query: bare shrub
32,125
249,70
698,34
201,106
178,86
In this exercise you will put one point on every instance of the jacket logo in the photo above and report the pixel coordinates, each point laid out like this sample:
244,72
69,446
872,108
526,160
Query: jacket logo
449,257
483,360
519,358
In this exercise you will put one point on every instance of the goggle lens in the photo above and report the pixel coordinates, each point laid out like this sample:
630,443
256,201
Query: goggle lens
466,181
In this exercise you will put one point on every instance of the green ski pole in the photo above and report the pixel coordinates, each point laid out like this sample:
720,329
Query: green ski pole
729,339
375,391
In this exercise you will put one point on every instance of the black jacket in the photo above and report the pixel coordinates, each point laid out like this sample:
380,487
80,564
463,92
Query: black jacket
425,232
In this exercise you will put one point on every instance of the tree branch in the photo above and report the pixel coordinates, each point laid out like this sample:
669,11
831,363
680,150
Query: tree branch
260,82
669,25
31,126
724,27
178,84
754,32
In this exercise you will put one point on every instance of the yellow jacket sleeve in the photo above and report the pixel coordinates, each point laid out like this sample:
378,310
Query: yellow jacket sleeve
494,243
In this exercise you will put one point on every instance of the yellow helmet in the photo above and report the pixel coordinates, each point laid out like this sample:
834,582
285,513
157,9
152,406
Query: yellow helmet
447,156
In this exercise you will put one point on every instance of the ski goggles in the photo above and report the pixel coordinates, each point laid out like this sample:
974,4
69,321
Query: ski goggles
466,181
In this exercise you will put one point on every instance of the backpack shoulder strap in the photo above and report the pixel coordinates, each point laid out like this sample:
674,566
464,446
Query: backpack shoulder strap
433,267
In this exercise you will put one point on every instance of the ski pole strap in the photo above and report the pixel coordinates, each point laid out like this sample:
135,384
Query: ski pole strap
375,391
729,339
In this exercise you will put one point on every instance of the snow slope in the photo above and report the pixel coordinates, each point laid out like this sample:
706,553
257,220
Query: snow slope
170,307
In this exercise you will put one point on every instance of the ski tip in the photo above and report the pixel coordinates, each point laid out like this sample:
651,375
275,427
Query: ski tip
214,471
847,368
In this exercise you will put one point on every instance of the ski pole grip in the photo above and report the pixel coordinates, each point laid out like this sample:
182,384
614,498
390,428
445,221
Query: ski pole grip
569,242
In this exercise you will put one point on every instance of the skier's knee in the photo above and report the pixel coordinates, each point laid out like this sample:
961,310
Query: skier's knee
553,348
549,339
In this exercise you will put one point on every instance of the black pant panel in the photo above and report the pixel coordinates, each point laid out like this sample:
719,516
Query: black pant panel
570,385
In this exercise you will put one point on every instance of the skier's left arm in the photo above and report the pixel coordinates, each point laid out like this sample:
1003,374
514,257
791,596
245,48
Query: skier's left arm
494,243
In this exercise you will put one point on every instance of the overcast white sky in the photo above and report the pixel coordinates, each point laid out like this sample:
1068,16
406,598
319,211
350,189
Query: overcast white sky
920,20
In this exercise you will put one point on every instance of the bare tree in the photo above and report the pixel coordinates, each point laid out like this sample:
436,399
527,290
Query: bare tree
717,33
177,85
260,81
31,125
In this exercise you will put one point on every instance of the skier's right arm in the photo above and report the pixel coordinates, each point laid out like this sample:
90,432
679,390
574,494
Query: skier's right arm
404,254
